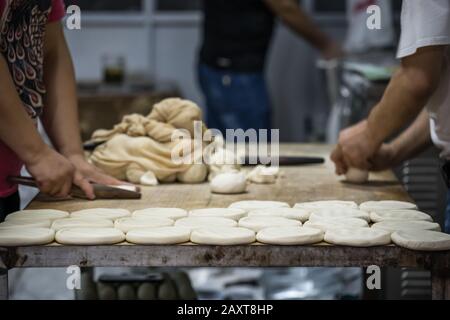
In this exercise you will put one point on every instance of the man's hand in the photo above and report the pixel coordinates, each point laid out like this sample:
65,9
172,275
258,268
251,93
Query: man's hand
52,172
356,147
384,159
85,173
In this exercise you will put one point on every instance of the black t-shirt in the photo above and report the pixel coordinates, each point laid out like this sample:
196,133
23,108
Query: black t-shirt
236,34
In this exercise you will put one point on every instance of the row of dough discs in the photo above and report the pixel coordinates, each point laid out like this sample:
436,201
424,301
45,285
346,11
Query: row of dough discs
270,222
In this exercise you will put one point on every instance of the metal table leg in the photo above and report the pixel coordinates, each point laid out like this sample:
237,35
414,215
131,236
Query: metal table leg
3,284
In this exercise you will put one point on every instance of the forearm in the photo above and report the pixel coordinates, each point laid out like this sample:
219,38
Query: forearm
17,130
407,94
61,110
294,17
415,139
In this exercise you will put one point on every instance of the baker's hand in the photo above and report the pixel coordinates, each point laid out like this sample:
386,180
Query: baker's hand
355,149
52,172
384,159
332,51
85,173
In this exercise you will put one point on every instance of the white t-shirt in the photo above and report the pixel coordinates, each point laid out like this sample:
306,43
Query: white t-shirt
427,23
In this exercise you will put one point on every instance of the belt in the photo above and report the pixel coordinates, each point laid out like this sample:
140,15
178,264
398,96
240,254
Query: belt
446,173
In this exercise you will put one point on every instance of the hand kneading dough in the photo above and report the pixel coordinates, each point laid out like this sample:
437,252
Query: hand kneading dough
325,204
387,205
422,240
229,183
26,223
258,223
17,237
358,237
354,175
81,223
159,236
400,215
205,222
128,224
393,225
37,215
249,205
290,236
338,213
169,213
89,236
301,215
103,213
223,236
229,213
337,224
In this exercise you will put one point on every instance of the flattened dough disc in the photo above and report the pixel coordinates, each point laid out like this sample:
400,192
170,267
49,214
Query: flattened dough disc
71,223
393,226
89,236
46,214
229,213
103,213
258,223
129,223
325,225
18,237
338,213
26,223
358,237
326,204
249,205
422,240
370,206
159,236
205,222
290,236
301,215
223,236
399,215
169,213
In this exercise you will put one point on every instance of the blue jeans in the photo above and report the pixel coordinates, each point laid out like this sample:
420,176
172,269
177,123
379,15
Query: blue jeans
235,100
447,214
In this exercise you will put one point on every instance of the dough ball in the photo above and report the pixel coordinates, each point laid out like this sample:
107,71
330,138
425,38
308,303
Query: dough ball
228,213
338,213
127,224
422,240
400,215
169,213
44,214
258,223
358,176
148,179
18,237
102,213
290,236
229,183
264,175
205,222
159,236
195,174
81,223
250,205
223,236
330,224
89,236
326,204
358,237
301,215
392,225
370,206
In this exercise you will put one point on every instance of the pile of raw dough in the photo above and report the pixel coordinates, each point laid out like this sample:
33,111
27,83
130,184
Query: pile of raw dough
249,205
422,240
89,236
358,237
133,223
338,213
328,224
301,215
229,213
169,213
69,223
37,215
159,236
377,206
399,215
326,204
290,236
258,223
397,225
102,213
205,222
17,237
223,236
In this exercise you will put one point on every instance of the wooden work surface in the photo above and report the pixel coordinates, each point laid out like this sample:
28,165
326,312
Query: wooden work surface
296,184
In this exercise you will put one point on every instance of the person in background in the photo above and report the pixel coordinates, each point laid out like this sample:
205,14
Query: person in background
236,38
37,81
419,92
